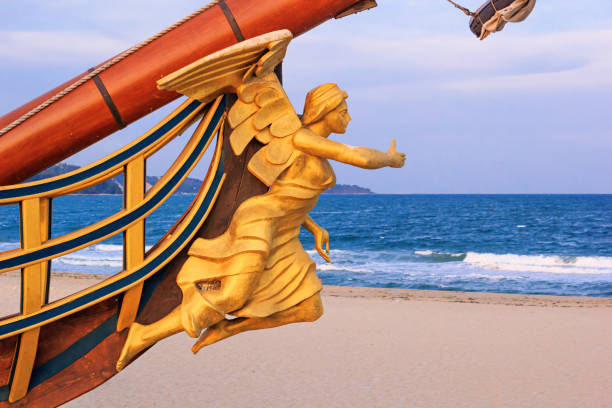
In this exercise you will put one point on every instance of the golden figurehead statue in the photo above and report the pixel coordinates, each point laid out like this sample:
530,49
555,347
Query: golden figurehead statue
257,271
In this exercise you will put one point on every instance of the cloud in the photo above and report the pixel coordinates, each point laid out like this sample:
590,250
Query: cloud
548,61
589,51
56,47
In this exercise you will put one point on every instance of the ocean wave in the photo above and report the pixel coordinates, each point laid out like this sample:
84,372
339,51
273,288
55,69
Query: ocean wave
87,261
7,246
342,268
113,248
479,276
389,261
593,265
441,256
332,252
107,247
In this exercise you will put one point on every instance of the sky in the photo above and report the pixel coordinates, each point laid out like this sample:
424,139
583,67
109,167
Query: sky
528,110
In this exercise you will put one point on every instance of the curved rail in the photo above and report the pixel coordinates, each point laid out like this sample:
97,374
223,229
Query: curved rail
123,281
108,167
37,249
122,220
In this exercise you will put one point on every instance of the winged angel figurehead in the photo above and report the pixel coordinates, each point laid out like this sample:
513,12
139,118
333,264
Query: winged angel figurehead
257,270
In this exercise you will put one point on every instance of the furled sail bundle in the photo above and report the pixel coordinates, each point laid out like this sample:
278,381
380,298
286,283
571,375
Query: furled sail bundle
493,15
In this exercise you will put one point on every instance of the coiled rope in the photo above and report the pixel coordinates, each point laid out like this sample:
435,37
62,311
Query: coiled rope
103,68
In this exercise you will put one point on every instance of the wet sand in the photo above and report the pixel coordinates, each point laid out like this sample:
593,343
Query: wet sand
382,348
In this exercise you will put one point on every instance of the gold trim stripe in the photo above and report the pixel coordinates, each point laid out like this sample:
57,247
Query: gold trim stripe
34,229
115,169
161,183
210,177
133,238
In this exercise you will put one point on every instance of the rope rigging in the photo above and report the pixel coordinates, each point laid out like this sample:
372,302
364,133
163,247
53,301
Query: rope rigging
464,9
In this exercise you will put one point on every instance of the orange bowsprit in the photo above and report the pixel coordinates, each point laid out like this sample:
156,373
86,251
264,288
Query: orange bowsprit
126,91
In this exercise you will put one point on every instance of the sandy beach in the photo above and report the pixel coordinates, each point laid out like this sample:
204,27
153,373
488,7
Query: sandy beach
381,348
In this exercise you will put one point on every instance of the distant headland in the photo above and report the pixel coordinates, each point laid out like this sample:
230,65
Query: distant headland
189,186
114,185
348,189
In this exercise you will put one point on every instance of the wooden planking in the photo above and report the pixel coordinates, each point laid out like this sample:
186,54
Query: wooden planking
133,238
73,328
7,355
95,367
34,291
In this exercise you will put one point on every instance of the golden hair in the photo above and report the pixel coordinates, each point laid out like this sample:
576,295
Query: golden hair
320,101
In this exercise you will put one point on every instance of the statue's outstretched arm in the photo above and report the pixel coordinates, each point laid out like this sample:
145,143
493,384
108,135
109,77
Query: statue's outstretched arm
364,157
321,237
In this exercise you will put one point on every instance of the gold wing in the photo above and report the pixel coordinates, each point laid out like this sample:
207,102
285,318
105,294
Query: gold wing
262,111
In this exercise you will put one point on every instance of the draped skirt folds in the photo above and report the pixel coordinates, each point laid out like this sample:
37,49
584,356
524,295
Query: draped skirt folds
258,267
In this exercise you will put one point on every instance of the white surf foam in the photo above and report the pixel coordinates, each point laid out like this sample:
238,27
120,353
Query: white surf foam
113,248
89,261
93,258
332,252
108,247
432,253
8,246
333,267
542,263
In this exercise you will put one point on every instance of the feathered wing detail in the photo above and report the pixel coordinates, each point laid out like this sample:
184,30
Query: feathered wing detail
225,70
263,110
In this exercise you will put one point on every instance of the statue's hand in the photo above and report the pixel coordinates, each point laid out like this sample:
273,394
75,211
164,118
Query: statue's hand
321,237
396,159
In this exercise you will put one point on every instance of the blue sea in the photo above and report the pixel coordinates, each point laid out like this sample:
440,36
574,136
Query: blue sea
537,244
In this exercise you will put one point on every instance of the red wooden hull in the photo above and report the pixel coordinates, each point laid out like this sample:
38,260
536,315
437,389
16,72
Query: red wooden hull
82,117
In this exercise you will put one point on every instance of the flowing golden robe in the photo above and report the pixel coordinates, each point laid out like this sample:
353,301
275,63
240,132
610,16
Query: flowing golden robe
263,234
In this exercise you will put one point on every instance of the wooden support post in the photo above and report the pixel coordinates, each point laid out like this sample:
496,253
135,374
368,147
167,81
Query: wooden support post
45,234
133,238
35,222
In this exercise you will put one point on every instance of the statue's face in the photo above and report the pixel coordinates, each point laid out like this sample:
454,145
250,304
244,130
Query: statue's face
338,119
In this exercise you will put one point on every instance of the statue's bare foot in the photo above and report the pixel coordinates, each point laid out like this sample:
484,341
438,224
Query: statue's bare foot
134,344
212,335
